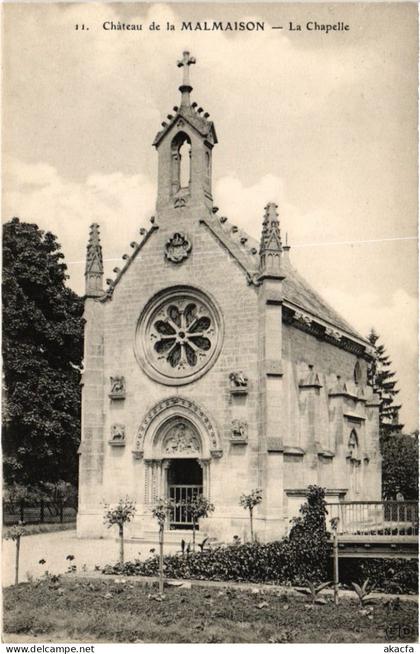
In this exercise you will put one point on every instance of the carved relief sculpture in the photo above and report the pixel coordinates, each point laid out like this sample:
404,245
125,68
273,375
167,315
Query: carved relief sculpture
117,435
353,447
333,333
238,383
239,432
181,440
117,388
177,247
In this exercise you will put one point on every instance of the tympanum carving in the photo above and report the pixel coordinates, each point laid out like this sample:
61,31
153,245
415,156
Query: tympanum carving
181,439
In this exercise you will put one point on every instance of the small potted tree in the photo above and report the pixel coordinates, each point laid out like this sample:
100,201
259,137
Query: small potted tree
15,533
250,502
160,512
198,507
120,515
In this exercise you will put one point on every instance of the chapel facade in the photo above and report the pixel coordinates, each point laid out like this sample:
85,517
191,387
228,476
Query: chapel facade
212,367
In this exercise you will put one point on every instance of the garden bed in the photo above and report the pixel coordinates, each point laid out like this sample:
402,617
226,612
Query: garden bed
115,610
274,563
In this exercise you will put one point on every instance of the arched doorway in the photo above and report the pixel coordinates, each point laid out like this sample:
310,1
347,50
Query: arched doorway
181,448
177,442
184,482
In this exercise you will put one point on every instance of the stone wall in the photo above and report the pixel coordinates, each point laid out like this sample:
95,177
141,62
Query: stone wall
320,413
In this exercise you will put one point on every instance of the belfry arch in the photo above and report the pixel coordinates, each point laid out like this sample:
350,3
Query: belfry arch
181,162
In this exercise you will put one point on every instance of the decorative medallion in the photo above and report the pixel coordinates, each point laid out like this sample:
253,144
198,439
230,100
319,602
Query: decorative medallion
179,336
177,247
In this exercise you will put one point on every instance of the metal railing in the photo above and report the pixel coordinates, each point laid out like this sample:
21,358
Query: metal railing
38,513
386,518
181,495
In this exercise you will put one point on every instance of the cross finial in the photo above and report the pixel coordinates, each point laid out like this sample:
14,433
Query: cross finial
185,63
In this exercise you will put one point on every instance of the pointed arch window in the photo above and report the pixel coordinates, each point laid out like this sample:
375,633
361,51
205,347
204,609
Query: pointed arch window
354,461
357,373
181,162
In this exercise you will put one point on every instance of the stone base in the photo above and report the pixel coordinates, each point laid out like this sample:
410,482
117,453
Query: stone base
90,524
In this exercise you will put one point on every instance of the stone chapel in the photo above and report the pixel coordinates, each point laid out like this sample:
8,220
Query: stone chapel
211,366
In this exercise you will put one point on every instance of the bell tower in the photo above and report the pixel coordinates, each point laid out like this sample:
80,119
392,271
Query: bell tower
184,147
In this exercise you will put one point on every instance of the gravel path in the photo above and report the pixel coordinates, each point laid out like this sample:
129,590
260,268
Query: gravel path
54,547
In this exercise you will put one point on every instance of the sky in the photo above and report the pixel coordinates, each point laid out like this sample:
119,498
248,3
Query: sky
325,125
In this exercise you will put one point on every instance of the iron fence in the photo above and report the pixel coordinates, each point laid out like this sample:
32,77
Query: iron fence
39,512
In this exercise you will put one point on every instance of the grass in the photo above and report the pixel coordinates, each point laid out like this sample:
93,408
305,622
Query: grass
78,610
30,530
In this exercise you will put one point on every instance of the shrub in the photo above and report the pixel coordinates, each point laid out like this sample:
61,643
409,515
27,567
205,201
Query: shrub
300,557
388,575
307,546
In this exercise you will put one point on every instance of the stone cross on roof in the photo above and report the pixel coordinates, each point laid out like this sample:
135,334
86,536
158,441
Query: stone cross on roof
185,63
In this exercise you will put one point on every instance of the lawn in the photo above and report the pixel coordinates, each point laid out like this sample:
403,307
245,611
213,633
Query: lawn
79,610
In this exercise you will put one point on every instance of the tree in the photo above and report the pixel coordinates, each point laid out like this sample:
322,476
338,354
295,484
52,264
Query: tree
160,512
400,467
120,515
250,502
381,378
198,507
15,533
42,354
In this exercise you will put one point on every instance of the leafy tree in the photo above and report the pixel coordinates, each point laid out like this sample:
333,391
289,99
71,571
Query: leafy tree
120,515
250,502
381,378
42,353
400,467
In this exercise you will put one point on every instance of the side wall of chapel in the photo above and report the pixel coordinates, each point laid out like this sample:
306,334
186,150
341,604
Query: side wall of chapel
317,422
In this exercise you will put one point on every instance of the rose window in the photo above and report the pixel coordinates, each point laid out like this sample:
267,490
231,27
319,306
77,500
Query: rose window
179,336
182,336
